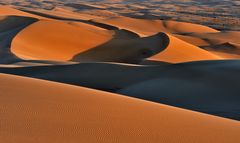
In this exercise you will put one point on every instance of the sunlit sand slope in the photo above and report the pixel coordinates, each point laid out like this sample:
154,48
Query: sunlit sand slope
149,27
42,111
56,40
201,86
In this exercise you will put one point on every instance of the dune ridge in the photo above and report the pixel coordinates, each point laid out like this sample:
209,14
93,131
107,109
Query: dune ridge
9,27
217,94
34,43
71,114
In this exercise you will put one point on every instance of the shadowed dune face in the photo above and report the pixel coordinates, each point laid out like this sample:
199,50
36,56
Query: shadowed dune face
126,50
73,114
8,23
200,86
55,40
9,27
197,86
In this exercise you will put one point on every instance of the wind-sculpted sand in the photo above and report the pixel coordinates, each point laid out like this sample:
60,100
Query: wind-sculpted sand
43,111
47,40
102,72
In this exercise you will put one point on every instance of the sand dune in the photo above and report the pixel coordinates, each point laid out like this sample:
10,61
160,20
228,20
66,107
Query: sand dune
200,86
125,49
179,51
204,87
63,113
44,40
224,44
7,11
219,37
61,13
9,27
85,50
149,27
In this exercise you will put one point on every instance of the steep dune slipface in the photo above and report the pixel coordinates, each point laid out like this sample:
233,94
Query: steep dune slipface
49,112
149,27
180,51
55,40
125,48
206,86
9,27
201,86
9,23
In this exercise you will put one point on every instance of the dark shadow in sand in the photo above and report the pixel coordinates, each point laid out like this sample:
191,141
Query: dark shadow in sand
125,47
10,26
208,86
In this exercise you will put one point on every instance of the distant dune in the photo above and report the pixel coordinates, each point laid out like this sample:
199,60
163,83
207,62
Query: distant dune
149,27
180,51
47,40
7,10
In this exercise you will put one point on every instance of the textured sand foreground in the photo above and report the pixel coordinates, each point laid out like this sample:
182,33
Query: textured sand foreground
102,72
40,111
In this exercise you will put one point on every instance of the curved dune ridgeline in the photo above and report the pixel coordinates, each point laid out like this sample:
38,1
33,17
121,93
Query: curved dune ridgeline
55,40
73,114
126,50
204,87
150,27
9,27
179,51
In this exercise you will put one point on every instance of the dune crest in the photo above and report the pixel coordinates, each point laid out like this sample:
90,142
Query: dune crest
179,51
145,27
125,49
7,11
56,40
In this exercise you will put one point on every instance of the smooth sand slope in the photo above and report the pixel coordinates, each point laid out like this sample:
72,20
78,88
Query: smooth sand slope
42,111
224,44
179,51
149,27
56,40
198,35
200,86
7,10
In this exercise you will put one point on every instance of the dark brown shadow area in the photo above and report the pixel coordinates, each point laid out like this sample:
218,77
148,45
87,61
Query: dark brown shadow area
10,26
125,49
200,86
